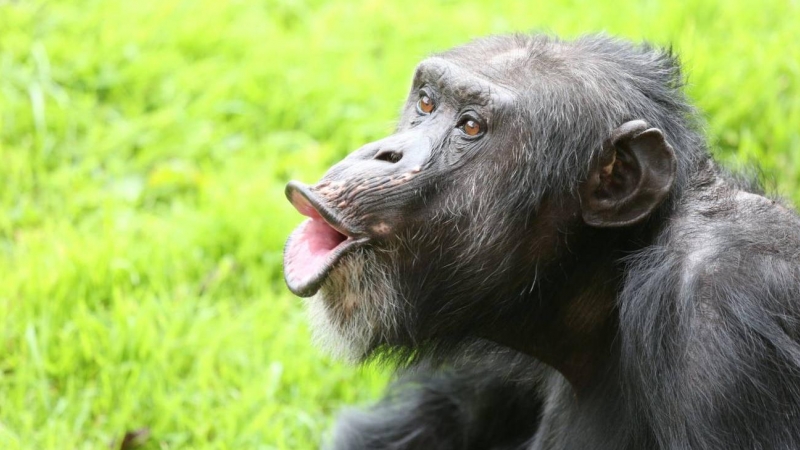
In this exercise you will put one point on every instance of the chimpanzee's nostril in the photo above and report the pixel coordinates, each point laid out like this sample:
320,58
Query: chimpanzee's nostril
391,156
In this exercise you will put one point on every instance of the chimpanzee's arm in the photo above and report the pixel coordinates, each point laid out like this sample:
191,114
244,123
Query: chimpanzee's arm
469,407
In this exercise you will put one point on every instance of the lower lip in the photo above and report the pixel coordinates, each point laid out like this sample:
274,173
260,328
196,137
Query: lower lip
311,252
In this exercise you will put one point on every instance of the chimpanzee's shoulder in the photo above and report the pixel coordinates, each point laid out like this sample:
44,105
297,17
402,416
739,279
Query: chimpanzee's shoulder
734,214
727,234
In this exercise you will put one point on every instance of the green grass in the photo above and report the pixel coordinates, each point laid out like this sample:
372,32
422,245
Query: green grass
143,151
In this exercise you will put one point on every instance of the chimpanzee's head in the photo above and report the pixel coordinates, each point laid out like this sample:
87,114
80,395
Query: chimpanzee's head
509,152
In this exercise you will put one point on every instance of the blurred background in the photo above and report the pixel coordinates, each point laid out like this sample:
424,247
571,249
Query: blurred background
144,146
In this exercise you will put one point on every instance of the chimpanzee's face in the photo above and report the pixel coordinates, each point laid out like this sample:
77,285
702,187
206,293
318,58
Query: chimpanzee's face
416,236
423,202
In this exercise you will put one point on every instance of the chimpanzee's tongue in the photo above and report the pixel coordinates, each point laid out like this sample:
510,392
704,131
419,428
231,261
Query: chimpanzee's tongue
309,255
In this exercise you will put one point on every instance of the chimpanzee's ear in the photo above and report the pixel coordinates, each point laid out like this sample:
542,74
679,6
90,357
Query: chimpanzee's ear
629,178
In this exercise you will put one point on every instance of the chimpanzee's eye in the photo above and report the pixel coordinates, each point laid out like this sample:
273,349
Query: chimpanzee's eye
425,104
471,127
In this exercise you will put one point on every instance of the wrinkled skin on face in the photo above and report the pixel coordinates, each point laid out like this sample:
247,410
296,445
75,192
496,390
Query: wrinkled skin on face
422,203
412,239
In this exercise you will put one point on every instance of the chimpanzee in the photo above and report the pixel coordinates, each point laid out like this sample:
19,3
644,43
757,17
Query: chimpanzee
550,256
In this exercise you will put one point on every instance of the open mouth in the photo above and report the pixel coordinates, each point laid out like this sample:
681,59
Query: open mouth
316,245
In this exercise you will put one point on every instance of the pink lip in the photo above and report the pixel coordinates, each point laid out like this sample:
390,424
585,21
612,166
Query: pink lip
314,247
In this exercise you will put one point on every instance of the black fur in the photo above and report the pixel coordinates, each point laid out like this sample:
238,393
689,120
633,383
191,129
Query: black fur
488,402
521,326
